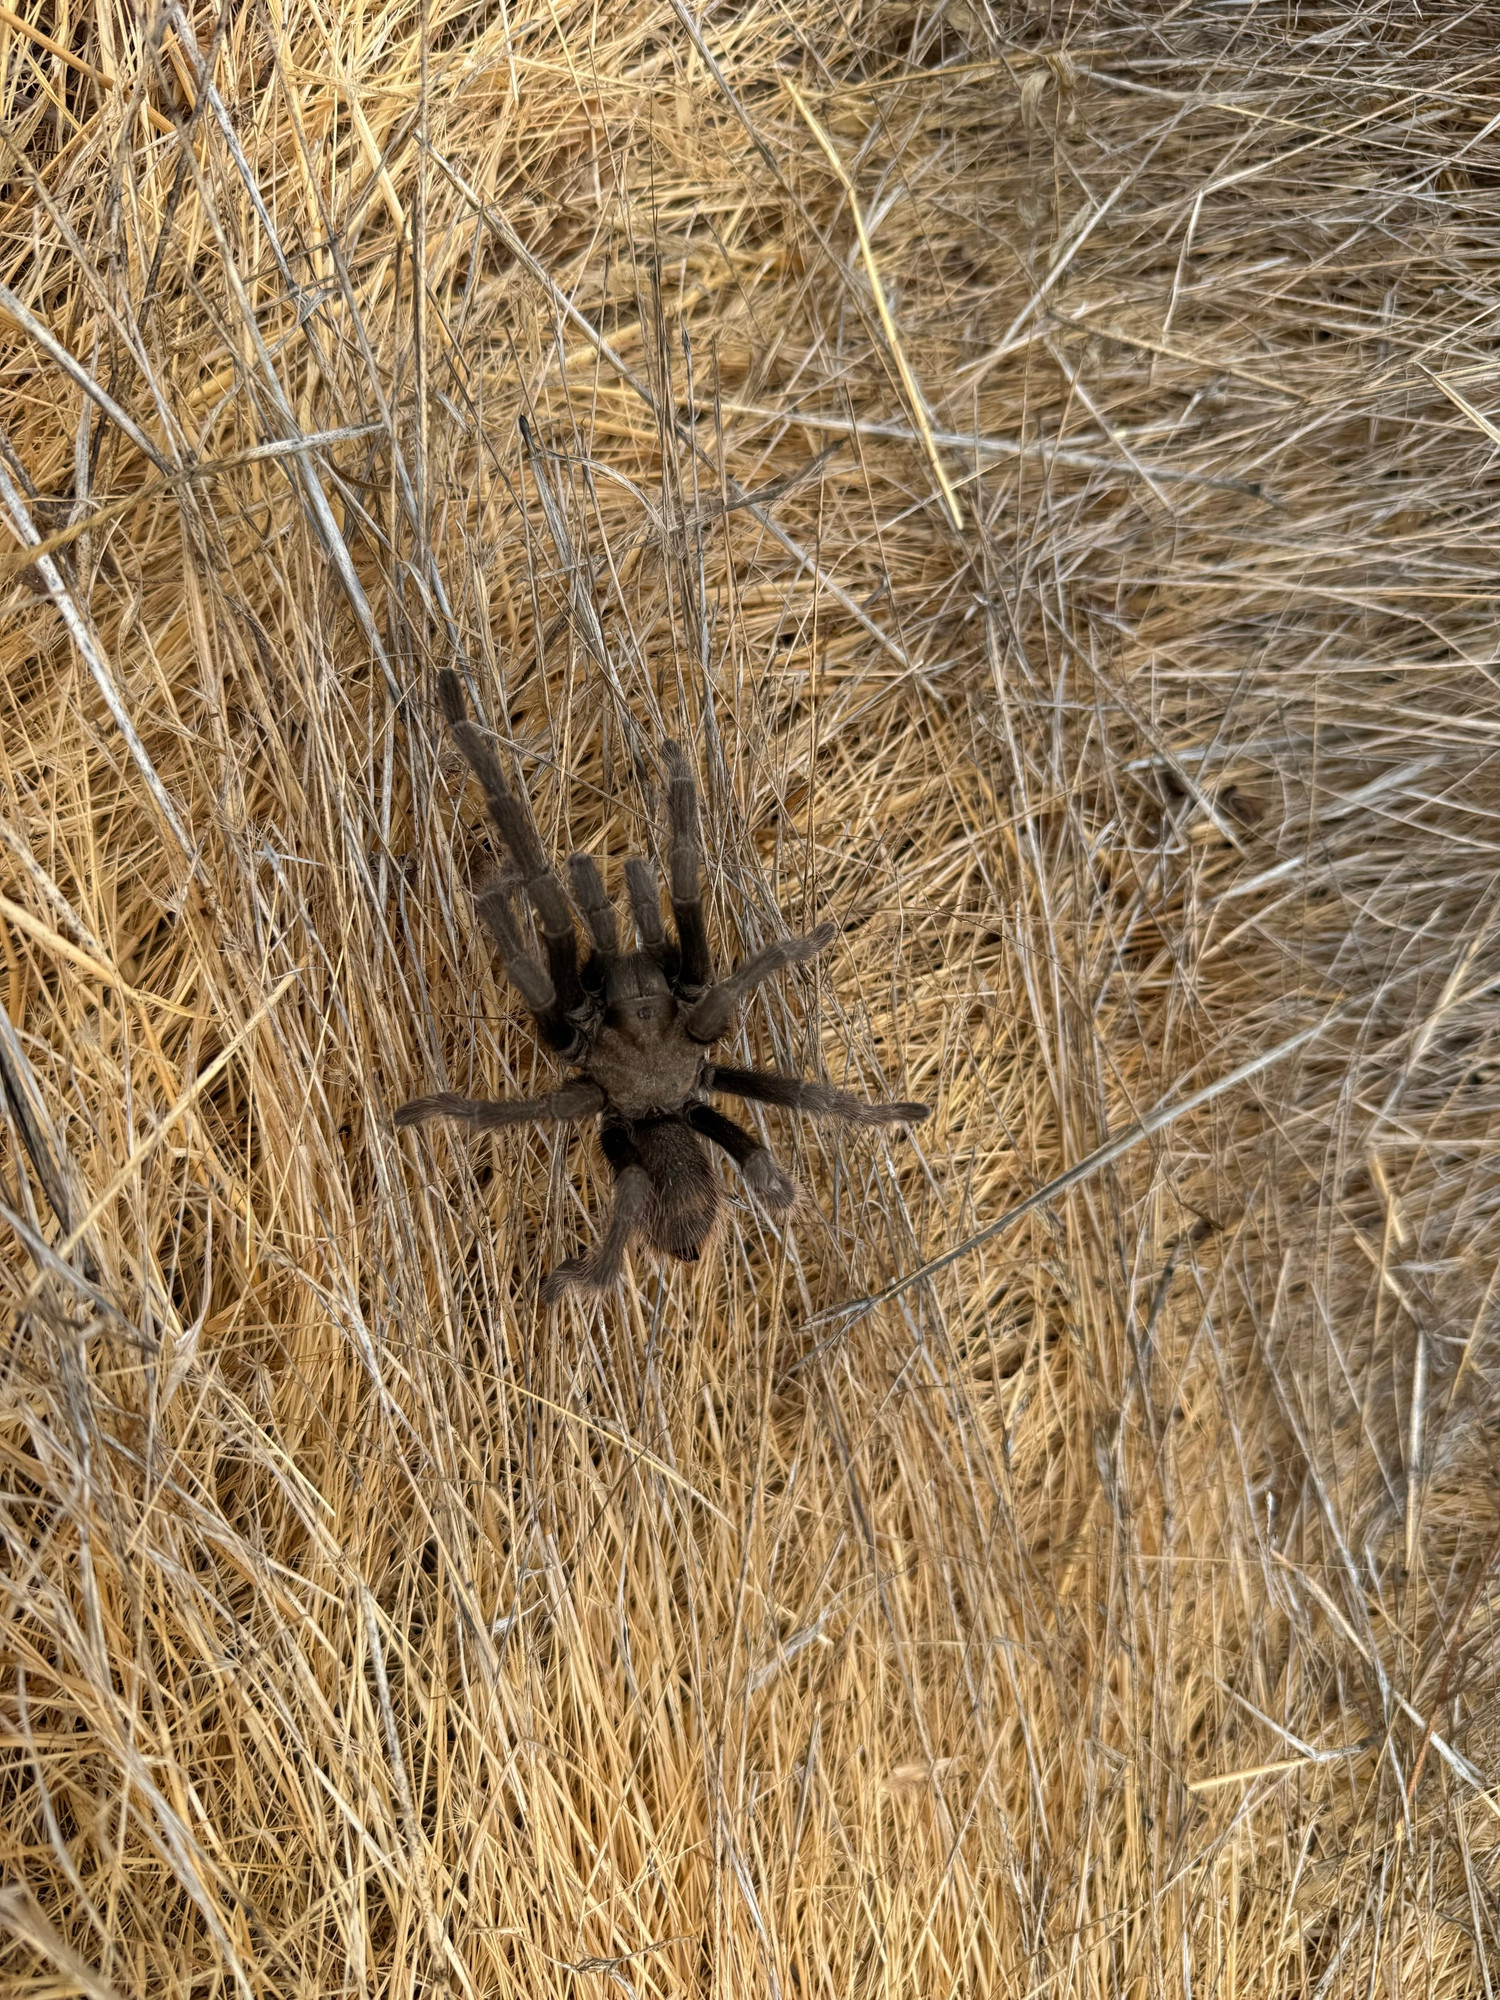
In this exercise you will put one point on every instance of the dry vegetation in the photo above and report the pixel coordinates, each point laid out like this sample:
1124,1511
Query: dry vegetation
1042,460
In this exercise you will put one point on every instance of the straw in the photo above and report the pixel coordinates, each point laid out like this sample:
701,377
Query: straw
1057,1557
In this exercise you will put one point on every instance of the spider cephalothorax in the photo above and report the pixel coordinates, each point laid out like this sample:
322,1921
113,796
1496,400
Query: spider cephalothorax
635,1027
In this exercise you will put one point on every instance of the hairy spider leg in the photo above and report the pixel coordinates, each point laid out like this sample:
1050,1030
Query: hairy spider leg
645,907
685,857
713,1015
579,1099
600,1270
762,1171
528,978
800,1093
517,829
597,910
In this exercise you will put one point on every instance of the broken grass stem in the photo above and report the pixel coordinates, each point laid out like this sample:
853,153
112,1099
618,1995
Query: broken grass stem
1102,1156
915,400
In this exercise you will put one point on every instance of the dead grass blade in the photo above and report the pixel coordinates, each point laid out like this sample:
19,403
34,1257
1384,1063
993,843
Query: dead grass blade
1058,1556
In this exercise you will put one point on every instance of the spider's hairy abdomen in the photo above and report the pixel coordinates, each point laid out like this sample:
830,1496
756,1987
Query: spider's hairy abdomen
681,1218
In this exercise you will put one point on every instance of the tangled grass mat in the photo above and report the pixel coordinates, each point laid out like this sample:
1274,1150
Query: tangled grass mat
1041,461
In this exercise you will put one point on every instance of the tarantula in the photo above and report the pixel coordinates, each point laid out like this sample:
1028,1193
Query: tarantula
635,1027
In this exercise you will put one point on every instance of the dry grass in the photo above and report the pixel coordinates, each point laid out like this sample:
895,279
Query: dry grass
1110,1609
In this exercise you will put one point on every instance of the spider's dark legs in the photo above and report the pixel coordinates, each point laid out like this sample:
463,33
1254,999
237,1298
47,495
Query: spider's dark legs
598,914
645,905
528,978
715,1012
634,1196
517,829
800,1093
686,860
762,1172
601,1269
580,1099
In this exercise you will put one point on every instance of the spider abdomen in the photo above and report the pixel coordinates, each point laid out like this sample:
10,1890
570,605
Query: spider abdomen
687,1200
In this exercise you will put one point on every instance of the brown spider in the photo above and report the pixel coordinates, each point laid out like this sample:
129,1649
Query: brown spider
635,1027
